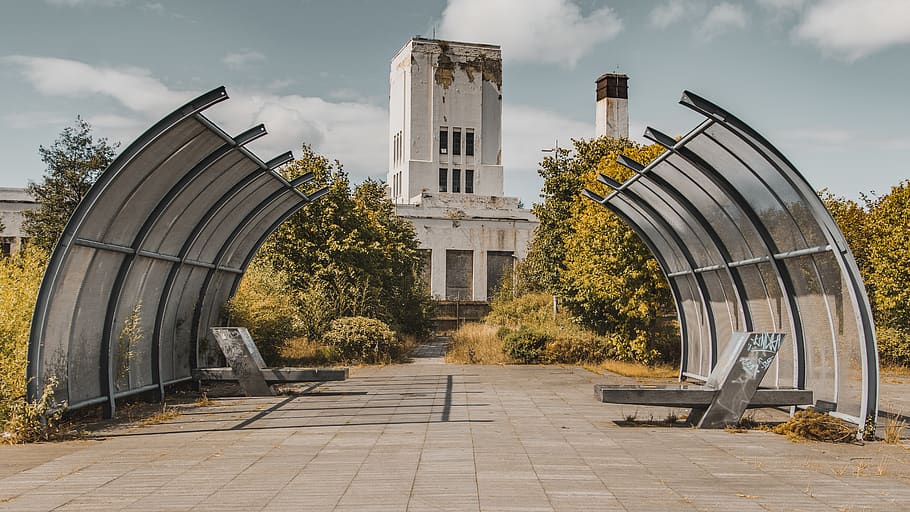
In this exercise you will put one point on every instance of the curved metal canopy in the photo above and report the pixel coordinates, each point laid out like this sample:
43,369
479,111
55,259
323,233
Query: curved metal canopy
747,245
150,257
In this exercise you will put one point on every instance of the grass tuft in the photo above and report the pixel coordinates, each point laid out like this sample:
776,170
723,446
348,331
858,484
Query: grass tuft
476,343
810,425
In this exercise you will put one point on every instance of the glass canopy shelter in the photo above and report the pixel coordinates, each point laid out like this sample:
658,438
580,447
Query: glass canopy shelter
747,245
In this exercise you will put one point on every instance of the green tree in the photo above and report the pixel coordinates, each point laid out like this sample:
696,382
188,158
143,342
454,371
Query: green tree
348,254
74,161
611,281
562,187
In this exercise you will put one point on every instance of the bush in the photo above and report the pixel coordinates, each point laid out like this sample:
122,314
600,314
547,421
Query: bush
476,343
526,345
364,340
265,305
21,421
893,346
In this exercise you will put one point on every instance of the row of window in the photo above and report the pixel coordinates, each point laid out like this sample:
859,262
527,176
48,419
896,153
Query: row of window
455,181
396,184
456,141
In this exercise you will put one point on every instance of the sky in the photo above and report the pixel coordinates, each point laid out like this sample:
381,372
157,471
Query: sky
824,80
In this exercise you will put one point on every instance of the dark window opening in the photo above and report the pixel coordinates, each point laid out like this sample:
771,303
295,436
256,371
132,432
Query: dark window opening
469,143
443,141
469,181
456,180
443,179
456,141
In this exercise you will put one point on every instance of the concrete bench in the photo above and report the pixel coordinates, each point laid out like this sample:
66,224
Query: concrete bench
249,369
731,388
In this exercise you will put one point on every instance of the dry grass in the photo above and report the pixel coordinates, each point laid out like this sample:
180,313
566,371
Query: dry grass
810,425
166,414
632,369
898,371
894,431
476,344
303,352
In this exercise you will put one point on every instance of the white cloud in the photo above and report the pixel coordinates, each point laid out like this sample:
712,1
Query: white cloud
243,59
553,31
353,132
722,18
668,13
852,30
135,88
527,130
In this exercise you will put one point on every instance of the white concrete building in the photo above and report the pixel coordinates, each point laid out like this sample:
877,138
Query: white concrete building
445,165
611,110
13,201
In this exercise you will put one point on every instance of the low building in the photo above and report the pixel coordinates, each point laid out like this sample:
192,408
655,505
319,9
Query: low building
445,165
13,201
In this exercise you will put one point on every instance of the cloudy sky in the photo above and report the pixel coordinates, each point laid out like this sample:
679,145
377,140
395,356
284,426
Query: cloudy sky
824,80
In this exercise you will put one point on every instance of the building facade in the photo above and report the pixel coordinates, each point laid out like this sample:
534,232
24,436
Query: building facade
445,165
611,108
13,201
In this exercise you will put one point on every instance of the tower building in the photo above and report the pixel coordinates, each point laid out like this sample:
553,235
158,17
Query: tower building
445,169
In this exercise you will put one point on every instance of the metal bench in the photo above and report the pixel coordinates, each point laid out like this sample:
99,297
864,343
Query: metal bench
731,388
249,369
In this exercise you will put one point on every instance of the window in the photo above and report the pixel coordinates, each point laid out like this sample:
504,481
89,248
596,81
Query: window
443,179
469,142
469,181
456,180
456,141
443,141
395,149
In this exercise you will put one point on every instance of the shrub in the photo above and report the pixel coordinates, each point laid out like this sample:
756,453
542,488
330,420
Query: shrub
526,345
476,343
893,346
362,339
21,421
266,307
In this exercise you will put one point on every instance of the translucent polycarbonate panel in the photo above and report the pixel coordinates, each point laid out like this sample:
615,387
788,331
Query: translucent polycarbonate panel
123,185
245,244
821,352
713,209
190,204
694,239
55,354
773,214
213,312
146,195
217,231
184,310
850,362
87,325
172,353
698,340
772,177
670,253
722,303
135,323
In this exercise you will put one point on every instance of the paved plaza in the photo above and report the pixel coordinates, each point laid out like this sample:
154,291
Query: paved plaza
433,436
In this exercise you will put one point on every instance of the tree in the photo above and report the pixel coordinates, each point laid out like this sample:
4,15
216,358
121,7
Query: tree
348,254
888,225
611,281
74,161
562,186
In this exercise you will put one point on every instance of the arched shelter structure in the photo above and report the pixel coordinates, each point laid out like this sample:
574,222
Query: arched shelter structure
746,244
150,257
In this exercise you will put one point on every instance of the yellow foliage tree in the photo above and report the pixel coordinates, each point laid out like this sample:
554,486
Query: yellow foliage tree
612,282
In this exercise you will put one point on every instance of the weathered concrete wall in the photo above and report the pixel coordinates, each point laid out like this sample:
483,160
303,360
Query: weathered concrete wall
13,201
475,227
441,85
612,118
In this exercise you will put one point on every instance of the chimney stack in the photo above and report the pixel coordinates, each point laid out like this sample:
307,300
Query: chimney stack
612,108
